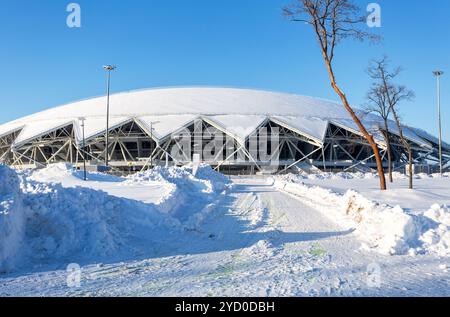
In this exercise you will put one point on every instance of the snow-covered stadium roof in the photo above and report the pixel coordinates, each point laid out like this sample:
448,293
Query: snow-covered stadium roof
239,112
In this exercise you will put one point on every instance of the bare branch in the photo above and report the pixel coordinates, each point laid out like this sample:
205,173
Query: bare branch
333,21
388,95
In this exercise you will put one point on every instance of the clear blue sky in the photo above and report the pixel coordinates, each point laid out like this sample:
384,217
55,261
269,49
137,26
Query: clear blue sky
240,43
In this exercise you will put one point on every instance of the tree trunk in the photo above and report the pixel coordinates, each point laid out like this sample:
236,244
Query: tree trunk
411,172
407,148
361,127
389,152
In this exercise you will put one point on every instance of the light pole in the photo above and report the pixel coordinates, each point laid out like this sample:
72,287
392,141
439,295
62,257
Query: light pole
438,75
108,68
84,146
151,140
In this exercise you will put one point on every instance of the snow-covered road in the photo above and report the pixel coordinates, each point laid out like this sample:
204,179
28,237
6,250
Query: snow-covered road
258,242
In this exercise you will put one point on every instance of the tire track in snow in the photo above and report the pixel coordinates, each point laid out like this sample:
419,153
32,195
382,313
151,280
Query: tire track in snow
269,210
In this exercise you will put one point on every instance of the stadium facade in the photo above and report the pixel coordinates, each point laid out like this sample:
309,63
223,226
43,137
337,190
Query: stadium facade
233,130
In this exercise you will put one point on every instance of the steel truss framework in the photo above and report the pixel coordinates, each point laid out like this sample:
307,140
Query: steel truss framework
132,147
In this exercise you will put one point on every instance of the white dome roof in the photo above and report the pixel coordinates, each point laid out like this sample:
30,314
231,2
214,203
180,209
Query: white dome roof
238,111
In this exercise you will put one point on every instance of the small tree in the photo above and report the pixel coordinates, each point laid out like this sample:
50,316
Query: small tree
399,93
332,22
393,94
378,103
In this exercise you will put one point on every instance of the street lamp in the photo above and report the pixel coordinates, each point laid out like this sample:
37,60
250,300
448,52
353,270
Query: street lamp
438,75
83,147
151,140
108,68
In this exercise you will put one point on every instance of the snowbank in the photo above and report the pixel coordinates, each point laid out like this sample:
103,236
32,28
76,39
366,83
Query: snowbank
206,177
386,229
437,239
11,218
81,222
54,173
44,223
359,175
192,196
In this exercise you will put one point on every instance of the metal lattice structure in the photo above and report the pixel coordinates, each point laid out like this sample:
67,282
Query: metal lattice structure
272,143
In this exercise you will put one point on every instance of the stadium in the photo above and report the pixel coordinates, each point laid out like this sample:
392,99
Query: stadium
146,126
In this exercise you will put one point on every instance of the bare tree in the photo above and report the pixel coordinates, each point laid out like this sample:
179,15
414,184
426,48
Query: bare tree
405,144
332,22
378,104
393,94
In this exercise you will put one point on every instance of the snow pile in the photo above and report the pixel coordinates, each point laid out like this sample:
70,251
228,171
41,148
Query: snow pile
333,176
437,239
11,217
192,197
54,173
358,175
428,176
44,223
83,223
206,177
386,229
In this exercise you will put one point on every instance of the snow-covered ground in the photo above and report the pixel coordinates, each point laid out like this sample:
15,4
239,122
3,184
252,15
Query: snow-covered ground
429,189
397,221
150,192
170,233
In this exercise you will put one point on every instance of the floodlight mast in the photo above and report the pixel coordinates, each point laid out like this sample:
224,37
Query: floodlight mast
108,69
438,74
83,147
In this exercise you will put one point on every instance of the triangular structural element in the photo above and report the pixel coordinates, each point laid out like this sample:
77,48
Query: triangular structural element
430,138
96,126
314,128
9,129
408,134
162,126
375,128
372,127
238,126
36,129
